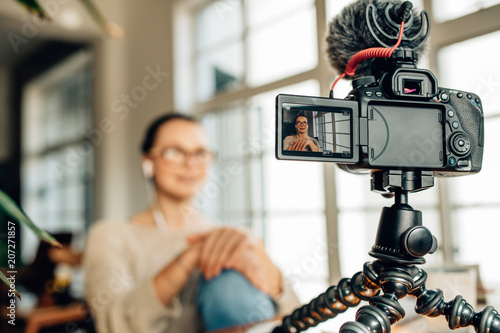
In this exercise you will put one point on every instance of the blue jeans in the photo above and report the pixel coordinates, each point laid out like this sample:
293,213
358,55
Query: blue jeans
229,299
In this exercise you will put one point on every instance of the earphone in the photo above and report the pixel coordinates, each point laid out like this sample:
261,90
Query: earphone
147,169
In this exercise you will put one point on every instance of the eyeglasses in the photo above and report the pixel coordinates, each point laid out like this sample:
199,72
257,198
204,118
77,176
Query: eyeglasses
302,123
177,156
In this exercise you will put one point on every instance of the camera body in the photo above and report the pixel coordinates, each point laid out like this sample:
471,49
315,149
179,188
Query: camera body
400,121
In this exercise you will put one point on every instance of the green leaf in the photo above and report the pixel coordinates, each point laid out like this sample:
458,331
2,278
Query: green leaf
9,207
4,279
112,29
34,7
109,27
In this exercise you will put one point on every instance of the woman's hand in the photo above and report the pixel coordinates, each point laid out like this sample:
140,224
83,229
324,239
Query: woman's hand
231,248
301,145
173,277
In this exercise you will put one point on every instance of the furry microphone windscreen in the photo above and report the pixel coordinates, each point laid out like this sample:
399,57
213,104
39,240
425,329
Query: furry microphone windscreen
349,33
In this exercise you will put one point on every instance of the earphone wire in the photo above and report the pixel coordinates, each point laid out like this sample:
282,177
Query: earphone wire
153,205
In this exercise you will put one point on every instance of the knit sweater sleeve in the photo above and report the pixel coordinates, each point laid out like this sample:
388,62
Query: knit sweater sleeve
287,142
119,301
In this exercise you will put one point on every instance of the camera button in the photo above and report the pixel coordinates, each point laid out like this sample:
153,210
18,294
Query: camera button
463,163
460,95
452,160
460,144
469,96
378,94
445,97
369,93
451,113
455,125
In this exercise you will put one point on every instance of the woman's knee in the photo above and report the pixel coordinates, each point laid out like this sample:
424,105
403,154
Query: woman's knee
230,299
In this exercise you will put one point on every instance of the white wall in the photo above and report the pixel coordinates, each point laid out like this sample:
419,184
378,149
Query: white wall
134,84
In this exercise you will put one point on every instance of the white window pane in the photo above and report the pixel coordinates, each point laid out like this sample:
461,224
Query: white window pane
217,22
462,67
76,104
235,192
74,197
225,189
285,48
224,192
481,188
209,199
54,119
334,7
353,191
261,123
302,255
445,10
33,120
256,176
357,233
219,70
477,240
231,133
259,11
32,168
293,186
210,123
234,220
342,88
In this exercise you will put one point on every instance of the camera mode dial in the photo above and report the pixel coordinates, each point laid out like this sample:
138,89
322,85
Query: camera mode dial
460,144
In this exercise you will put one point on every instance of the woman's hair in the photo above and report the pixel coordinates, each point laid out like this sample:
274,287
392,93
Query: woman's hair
150,136
300,114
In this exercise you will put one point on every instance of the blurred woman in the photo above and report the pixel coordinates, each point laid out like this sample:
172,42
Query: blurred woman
168,269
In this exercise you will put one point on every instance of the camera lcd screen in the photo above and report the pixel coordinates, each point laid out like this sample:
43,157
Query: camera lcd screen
315,128
405,135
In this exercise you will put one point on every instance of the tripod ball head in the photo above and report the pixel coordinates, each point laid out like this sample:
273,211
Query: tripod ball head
401,237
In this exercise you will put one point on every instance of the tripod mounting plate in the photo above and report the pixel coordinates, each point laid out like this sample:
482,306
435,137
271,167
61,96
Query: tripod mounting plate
387,181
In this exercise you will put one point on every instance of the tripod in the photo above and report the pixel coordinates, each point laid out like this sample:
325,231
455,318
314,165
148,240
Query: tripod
401,243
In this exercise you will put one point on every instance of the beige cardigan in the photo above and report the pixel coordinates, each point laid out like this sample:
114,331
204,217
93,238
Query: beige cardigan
120,262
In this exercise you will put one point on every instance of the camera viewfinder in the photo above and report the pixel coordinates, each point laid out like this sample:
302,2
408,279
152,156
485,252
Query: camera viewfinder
412,87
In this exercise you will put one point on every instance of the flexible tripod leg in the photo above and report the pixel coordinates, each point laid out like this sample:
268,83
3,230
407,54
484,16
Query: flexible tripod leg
396,283
384,310
458,313
335,300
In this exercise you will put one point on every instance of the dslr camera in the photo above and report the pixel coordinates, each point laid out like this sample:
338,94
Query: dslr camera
395,118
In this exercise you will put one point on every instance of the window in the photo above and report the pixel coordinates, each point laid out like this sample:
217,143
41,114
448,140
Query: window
296,205
57,161
246,43
219,48
334,131
445,10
